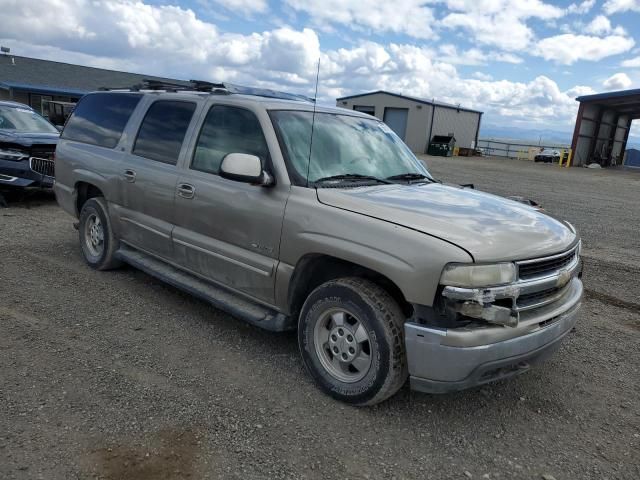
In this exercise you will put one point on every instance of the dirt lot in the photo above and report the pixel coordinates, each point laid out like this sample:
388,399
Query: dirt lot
117,376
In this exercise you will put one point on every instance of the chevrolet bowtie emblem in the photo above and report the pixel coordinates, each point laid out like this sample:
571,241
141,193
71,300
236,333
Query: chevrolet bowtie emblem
563,278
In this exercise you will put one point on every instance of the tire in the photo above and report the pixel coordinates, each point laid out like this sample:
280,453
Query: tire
361,307
97,241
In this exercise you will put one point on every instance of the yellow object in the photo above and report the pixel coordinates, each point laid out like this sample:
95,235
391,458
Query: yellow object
455,151
568,152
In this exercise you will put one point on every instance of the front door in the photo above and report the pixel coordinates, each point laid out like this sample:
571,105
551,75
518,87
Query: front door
229,231
149,176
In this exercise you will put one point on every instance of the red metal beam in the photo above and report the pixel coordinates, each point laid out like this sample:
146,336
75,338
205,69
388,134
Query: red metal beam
576,131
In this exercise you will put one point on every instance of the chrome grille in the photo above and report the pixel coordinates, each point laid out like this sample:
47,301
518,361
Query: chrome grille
541,280
42,166
543,267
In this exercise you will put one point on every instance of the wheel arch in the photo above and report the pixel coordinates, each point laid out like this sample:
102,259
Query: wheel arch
314,269
85,190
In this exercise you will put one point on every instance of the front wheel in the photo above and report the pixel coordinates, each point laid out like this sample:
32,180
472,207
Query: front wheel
351,337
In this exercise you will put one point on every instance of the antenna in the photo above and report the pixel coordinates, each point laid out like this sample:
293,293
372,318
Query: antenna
313,120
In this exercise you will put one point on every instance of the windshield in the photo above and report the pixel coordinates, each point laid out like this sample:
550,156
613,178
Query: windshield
342,145
24,120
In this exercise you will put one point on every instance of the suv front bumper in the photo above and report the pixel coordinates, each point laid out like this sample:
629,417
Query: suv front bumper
439,361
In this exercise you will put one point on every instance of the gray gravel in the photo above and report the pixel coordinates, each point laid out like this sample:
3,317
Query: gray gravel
117,376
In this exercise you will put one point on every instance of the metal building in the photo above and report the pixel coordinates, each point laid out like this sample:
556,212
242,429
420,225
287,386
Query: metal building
602,127
417,120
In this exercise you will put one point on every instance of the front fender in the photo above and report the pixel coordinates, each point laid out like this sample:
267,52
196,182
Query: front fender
410,259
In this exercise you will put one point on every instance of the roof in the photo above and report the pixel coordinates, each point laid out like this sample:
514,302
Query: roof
268,103
413,99
624,102
609,95
48,77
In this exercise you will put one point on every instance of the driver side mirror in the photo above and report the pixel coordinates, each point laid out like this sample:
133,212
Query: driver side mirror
245,168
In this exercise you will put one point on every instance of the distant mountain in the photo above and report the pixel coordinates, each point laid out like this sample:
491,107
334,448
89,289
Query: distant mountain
529,135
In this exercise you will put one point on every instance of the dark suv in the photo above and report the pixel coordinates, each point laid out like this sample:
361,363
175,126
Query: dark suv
27,146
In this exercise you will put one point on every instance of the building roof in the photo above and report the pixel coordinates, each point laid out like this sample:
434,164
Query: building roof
413,99
57,78
624,102
608,95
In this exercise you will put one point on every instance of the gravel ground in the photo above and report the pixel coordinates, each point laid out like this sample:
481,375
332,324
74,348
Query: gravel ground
117,376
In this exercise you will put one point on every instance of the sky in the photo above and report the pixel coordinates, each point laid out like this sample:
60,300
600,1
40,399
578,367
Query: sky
522,62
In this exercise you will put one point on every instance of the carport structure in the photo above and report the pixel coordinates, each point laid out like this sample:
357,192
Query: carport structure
602,126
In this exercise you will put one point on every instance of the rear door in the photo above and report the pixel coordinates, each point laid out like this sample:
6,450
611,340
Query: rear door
149,176
228,231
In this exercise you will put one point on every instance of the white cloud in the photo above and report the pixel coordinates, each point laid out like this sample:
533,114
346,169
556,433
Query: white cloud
619,81
631,63
172,41
409,17
242,6
499,23
482,76
506,58
615,6
568,48
581,8
473,56
600,25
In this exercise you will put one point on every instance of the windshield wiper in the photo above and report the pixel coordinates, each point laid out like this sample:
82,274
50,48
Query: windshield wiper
352,177
409,176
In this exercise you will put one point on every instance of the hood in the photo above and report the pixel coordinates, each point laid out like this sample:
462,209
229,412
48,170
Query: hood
489,227
28,139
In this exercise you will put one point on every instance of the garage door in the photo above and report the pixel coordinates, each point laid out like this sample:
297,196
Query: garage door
396,118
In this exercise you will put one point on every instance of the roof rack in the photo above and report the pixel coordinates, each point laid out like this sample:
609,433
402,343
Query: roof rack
209,87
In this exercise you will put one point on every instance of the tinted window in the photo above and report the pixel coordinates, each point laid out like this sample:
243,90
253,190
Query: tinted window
100,118
228,130
163,129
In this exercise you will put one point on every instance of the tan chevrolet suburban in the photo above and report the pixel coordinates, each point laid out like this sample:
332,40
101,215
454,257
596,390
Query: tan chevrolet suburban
292,216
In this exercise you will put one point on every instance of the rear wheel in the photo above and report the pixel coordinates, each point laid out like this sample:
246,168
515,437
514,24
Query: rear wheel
351,337
97,241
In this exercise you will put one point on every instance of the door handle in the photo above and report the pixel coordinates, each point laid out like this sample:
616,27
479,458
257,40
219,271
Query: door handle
186,191
129,175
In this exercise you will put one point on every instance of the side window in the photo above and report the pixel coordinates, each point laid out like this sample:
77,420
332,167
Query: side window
163,129
100,118
228,130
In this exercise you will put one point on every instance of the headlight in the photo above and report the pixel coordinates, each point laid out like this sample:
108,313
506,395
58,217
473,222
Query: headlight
464,275
14,155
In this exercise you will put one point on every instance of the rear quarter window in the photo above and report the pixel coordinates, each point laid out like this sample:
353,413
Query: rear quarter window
163,130
100,118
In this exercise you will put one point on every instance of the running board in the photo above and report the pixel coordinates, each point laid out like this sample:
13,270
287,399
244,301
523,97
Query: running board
219,297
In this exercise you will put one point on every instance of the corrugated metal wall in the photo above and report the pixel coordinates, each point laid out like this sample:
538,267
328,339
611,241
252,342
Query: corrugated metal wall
462,124
597,132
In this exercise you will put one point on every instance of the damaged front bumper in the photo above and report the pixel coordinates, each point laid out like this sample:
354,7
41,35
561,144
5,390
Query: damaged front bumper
448,359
